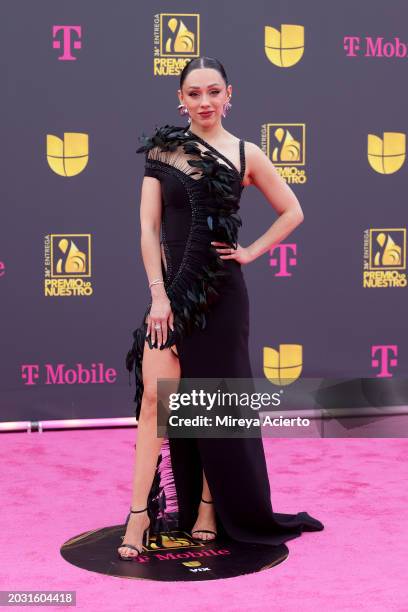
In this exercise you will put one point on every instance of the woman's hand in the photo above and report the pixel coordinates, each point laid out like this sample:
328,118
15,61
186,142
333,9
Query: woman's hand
241,254
160,314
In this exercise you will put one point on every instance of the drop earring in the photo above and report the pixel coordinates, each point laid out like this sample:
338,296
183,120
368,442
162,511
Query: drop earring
183,110
226,107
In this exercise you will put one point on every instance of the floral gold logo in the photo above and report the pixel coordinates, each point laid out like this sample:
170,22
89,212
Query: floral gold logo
67,264
178,539
385,257
285,145
176,41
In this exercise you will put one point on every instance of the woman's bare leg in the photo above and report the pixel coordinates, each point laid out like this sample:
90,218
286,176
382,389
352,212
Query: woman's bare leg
156,364
206,515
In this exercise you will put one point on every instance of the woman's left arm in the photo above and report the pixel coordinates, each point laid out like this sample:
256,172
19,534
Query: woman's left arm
263,175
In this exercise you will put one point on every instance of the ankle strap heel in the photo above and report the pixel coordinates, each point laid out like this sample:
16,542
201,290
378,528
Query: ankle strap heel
145,537
143,510
203,540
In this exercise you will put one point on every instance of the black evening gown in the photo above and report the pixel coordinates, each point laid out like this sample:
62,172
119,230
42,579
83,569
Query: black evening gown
201,190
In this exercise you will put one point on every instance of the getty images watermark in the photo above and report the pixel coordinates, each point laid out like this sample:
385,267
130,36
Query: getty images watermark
256,407
222,401
227,407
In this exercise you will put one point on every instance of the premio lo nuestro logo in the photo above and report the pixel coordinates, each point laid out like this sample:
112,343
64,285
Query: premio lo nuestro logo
285,145
387,154
284,47
176,41
385,257
67,265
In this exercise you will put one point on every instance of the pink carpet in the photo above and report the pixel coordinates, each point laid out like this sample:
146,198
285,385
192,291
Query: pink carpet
58,484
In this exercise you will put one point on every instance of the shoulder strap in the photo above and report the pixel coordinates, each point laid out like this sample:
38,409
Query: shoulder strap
242,157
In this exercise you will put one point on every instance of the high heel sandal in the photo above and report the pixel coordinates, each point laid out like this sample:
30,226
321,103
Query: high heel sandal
204,530
145,537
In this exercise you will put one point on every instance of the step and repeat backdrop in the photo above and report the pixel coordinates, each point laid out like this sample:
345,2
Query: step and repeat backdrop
320,86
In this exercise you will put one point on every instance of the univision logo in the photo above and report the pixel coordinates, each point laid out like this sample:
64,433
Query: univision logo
284,47
387,154
68,156
284,366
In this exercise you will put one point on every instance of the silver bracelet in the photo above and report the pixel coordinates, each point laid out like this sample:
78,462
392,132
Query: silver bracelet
156,281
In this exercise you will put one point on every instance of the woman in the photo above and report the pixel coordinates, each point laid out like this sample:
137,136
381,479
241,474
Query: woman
198,317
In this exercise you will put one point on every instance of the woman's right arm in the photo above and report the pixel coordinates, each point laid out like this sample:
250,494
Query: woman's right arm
150,222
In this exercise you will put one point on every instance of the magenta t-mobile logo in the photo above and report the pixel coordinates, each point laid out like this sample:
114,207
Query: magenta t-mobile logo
60,374
30,373
381,358
351,45
283,259
370,46
66,41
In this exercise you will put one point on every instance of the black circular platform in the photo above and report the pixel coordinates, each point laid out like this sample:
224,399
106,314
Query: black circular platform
171,556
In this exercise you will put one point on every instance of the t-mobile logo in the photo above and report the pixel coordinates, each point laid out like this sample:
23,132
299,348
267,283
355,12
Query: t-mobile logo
69,40
384,356
283,260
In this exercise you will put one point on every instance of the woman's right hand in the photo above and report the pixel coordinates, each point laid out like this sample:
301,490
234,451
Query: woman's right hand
160,314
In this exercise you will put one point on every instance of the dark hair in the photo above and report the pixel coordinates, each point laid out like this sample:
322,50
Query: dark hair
203,62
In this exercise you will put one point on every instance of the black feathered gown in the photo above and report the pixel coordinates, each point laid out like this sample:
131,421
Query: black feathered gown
201,190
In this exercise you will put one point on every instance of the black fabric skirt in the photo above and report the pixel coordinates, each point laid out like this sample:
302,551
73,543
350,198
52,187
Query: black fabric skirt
235,468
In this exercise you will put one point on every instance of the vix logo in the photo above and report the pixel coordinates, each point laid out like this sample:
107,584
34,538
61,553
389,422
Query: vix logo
387,154
283,258
284,48
65,41
384,359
